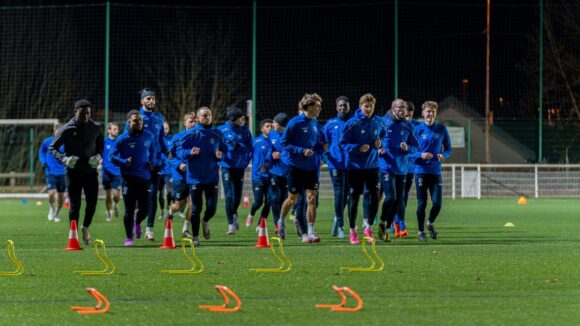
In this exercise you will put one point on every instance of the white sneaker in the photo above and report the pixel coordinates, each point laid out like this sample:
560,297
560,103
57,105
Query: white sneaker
57,219
236,222
109,217
149,234
86,235
195,241
249,220
186,234
305,238
50,215
231,229
206,230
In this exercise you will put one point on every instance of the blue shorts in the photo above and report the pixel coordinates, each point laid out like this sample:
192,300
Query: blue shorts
111,181
56,182
180,190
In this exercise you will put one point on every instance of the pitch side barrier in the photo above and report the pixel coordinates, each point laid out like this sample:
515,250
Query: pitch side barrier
459,181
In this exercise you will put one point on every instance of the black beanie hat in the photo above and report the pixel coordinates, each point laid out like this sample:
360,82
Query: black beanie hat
234,113
82,103
281,119
146,92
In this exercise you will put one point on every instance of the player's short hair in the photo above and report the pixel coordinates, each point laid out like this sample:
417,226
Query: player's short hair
110,124
309,100
367,98
203,108
57,125
132,113
430,105
263,122
410,106
189,115
342,98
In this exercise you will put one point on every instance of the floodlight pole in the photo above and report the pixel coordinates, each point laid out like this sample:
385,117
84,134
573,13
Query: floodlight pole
107,61
540,94
254,42
487,109
396,41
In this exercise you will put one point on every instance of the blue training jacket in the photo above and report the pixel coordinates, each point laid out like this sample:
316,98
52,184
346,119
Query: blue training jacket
140,148
303,133
238,140
203,167
153,122
165,161
432,139
335,155
277,167
107,164
395,160
51,164
174,161
410,164
261,160
357,131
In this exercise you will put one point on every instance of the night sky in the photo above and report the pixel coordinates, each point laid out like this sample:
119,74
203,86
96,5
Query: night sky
312,46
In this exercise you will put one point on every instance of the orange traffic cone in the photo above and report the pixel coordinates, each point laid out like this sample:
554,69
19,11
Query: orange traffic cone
246,200
66,201
168,241
263,241
73,237
522,201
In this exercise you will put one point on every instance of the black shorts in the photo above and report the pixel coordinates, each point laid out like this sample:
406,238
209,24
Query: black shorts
300,180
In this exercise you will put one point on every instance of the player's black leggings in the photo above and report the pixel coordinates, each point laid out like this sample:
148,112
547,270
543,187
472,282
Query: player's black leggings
134,193
76,182
211,197
357,180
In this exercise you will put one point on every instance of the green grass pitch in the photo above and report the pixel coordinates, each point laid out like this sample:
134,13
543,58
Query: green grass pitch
478,272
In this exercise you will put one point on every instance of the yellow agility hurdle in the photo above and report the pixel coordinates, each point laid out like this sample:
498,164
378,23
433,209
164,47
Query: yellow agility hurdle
109,267
10,252
285,263
373,261
196,264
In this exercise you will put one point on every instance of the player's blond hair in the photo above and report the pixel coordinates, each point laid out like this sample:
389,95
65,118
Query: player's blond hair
430,105
367,98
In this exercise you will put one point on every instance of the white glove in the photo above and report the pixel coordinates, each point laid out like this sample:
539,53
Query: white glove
70,161
94,160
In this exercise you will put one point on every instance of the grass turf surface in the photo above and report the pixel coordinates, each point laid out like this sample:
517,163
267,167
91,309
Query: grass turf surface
478,272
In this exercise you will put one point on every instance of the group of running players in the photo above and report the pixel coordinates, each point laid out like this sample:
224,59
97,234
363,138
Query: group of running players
375,156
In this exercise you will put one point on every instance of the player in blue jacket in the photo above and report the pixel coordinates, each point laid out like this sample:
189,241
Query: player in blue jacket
202,149
361,141
261,162
304,142
410,169
153,122
111,174
54,172
134,153
397,144
165,187
236,158
278,169
336,164
434,148
178,167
